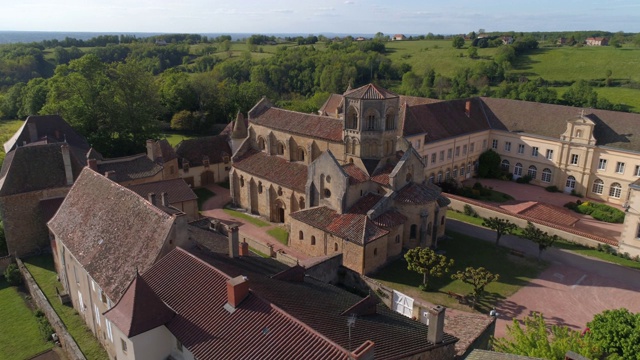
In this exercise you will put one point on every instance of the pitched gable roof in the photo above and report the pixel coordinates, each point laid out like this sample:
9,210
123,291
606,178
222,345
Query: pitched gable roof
39,167
177,190
442,120
370,92
216,148
139,310
47,128
309,125
130,167
257,329
110,230
292,175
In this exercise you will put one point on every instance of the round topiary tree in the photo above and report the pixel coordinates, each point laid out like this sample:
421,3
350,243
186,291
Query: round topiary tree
12,274
489,164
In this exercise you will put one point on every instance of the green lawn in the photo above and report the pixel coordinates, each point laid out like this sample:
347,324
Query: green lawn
175,138
203,195
19,333
616,95
7,129
42,270
466,251
279,234
576,248
253,220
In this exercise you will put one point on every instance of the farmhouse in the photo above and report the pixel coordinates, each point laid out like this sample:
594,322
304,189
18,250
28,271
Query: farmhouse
597,41
399,37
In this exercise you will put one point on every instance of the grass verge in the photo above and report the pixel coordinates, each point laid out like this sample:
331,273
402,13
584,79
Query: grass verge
43,271
255,221
203,195
279,234
466,251
7,129
563,244
19,333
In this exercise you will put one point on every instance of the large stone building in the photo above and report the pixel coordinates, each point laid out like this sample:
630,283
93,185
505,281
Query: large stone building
346,185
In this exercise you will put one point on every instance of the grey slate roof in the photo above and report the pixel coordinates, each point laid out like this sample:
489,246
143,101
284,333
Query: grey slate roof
110,230
194,150
38,167
130,167
176,189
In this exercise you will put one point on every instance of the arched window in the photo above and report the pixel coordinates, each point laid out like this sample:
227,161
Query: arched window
301,154
546,175
371,122
280,148
533,171
300,235
413,231
578,133
389,123
409,177
327,193
241,181
335,247
615,191
447,174
313,240
462,170
375,251
439,177
261,143
432,178
397,239
301,203
517,170
352,119
259,187
455,172
598,187
505,165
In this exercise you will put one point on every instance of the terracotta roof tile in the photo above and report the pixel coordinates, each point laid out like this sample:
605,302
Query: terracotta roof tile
48,128
291,175
545,212
139,310
365,203
414,193
257,329
315,126
194,150
176,189
381,176
370,92
442,120
356,175
331,106
165,150
102,224
390,219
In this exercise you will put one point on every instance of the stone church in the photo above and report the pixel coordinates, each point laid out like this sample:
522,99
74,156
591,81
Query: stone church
346,184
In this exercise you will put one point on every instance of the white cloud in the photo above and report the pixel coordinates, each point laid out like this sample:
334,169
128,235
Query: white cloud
349,2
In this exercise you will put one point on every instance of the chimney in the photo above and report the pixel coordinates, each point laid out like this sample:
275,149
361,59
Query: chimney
164,197
92,164
150,153
152,198
214,224
467,108
111,175
366,351
33,132
435,332
233,241
237,290
244,249
66,159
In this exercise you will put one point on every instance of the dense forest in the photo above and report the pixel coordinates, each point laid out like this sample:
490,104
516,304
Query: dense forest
120,90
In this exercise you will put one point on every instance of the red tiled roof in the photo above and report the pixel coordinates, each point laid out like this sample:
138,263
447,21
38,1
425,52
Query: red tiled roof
414,193
177,190
444,119
370,92
194,150
390,219
365,203
356,175
544,212
356,228
330,107
381,176
139,310
292,175
315,126
110,230
258,329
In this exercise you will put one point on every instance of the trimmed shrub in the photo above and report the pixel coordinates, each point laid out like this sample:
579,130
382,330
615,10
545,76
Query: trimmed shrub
468,210
552,188
43,325
524,180
12,274
601,212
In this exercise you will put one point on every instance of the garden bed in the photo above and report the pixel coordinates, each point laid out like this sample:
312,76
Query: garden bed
597,211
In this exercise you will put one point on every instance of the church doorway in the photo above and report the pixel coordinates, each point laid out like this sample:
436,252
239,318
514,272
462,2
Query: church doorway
278,213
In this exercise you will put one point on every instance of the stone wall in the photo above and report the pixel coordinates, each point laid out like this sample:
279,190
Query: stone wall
68,344
327,270
570,234
257,245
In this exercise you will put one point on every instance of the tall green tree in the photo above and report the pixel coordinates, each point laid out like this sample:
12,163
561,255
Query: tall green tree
34,96
457,42
617,332
581,94
501,227
426,262
479,278
535,338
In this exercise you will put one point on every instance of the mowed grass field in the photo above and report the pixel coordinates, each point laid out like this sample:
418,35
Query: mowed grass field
7,129
617,95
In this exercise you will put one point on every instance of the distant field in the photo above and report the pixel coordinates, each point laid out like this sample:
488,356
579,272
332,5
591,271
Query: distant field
616,95
574,63
7,129
439,54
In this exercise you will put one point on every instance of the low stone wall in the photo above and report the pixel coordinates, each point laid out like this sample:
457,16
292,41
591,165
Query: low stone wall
286,258
257,245
68,344
486,211
385,294
4,262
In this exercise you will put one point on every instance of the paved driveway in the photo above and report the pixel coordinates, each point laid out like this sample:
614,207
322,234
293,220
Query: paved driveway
570,292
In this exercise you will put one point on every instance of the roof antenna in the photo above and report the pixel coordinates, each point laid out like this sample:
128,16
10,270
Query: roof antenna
351,322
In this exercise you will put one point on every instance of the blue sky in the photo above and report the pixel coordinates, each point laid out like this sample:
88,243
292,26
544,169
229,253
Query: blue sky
327,16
